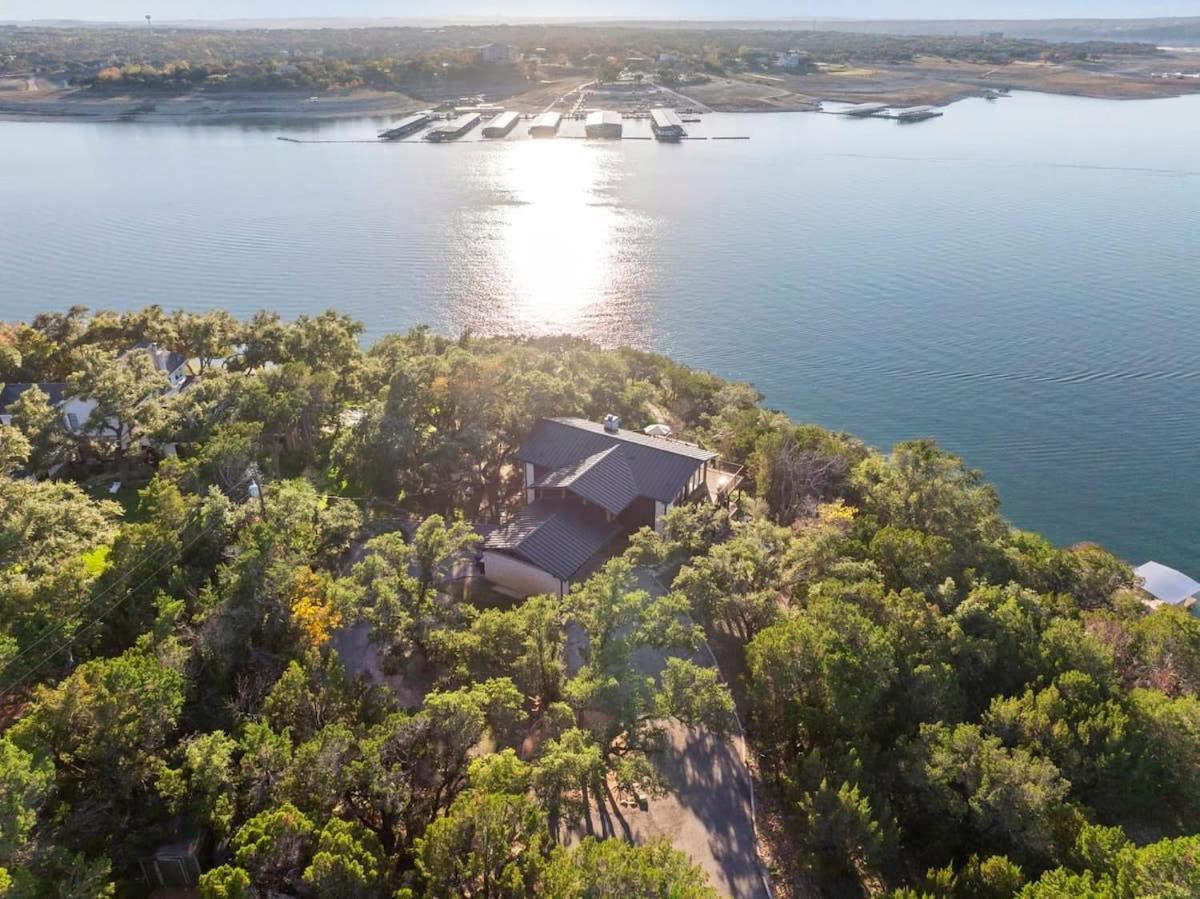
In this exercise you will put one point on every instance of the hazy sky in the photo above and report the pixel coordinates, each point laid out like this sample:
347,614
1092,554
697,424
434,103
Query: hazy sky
243,9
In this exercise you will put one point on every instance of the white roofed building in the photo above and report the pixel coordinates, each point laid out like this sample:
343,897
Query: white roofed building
1168,587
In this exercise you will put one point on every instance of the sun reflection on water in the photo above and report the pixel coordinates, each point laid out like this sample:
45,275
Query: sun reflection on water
562,252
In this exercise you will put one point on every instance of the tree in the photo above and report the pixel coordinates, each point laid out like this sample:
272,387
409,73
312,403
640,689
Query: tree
964,787
817,677
272,846
743,584
798,468
348,863
399,580
491,842
922,488
619,619
525,643
105,746
911,559
1072,723
614,869
15,450
205,337
26,783
42,426
225,882
204,785
570,770
124,391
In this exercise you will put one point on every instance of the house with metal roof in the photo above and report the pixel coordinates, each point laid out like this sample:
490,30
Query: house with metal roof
587,485
1166,586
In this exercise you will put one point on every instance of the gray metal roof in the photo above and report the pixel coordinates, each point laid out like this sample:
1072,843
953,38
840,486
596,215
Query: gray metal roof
12,392
660,467
603,478
556,537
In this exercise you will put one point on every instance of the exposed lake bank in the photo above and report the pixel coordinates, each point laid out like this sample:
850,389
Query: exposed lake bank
925,81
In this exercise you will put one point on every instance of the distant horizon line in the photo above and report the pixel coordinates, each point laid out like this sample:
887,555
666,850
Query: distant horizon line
427,21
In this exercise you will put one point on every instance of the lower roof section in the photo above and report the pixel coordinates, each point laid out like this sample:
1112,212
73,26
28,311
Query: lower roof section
558,537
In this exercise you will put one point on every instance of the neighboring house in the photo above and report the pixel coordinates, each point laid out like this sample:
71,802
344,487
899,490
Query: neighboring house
76,411
586,485
176,367
1166,586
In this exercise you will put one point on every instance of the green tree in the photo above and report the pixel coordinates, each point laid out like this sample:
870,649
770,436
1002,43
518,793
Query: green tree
964,787
43,426
489,844
348,863
614,869
124,391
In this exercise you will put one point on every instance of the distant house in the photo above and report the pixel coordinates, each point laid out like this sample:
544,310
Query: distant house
76,411
1166,586
176,367
587,485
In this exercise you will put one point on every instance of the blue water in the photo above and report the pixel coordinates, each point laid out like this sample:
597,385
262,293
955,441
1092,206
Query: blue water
1018,278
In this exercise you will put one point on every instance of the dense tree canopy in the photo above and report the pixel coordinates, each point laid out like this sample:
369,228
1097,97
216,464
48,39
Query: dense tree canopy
273,646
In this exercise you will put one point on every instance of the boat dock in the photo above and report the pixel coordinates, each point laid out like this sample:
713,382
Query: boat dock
501,126
883,111
406,127
604,125
666,125
454,129
865,110
546,125
917,113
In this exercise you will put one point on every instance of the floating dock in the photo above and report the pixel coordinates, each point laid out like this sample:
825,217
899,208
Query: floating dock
864,110
918,113
666,125
604,125
546,125
454,129
501,126
405,127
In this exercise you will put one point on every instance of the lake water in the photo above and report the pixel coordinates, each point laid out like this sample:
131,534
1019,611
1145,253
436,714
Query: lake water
1019,278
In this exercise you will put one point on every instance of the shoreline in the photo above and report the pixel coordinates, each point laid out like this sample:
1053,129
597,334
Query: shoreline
724,95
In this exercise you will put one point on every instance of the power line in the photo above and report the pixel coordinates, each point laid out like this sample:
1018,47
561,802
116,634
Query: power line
91,602
91,624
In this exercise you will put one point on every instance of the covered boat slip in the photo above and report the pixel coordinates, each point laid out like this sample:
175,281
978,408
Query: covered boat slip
604,125
501,126
546,125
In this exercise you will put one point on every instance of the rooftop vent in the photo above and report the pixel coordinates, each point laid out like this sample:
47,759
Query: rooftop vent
612,423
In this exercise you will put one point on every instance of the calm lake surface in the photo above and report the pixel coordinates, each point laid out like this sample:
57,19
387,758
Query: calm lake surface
1019,278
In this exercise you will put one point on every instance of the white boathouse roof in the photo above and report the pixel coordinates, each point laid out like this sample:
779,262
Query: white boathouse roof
1166,584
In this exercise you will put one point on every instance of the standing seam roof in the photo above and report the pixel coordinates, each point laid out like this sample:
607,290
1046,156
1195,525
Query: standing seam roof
556,538
604,478
660,468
